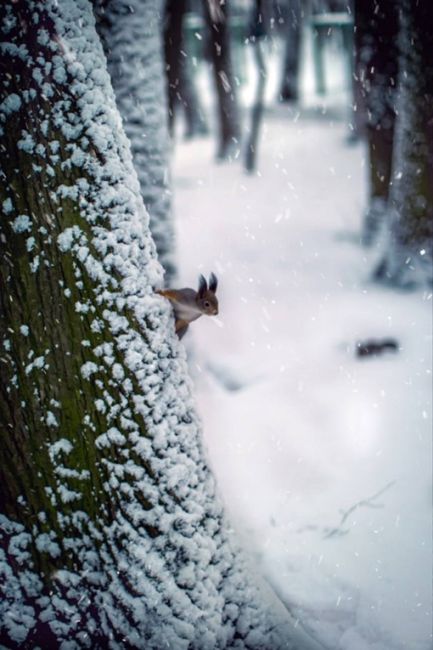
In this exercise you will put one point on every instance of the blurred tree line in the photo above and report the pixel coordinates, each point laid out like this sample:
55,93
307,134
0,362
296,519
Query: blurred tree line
394,80
388,44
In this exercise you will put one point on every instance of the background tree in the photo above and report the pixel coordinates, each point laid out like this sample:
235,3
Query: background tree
174,12
110,533
131,33
181,88
376,36
216,19
195,116
259,31
409,256
290,13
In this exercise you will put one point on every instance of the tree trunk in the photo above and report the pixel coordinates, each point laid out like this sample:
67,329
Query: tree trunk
173,44
376,32
180,72
216,18
195,117
289,90
131,34
258,107
110,533
259,31
408,260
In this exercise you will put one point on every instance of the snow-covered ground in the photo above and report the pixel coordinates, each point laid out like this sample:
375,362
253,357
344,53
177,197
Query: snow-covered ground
323,459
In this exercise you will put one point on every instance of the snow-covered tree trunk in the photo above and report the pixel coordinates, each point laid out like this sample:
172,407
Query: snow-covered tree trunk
110,532
131,34
409,257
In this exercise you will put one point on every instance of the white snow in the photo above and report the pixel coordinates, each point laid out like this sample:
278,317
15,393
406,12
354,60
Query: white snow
110,437
323,460
51,419
63,445
45,543
10,104
7,206
22,223
67,495
66,238
34,265
37,363
26,143
30,243
88,368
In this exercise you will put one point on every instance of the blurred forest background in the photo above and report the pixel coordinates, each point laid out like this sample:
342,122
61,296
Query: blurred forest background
383,75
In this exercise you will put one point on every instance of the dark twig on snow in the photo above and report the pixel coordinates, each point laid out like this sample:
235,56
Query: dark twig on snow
373,348
364,503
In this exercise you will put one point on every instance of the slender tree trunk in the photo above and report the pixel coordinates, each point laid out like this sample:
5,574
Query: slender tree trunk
182,91
376,34
289,89
195,117
131,34
110,533
173,45
216,18
260,27
258,107
408,260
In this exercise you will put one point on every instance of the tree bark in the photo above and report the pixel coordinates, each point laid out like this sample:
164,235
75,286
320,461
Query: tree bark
195,116
289,90
259,31
131,34
181,88
110,531
173,44
257,109
216,18
408,260
376,35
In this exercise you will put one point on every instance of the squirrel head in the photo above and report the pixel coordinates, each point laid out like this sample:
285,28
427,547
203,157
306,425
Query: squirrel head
206,298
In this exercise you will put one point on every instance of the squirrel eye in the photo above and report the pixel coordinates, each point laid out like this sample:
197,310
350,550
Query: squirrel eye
206,303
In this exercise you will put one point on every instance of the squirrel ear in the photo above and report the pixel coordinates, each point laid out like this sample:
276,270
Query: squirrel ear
202,285
213,282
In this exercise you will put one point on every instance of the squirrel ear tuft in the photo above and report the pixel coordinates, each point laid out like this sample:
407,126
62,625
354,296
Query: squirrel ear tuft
213,282
202,284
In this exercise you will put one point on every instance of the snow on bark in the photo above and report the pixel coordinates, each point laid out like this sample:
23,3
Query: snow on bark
131,34
111,533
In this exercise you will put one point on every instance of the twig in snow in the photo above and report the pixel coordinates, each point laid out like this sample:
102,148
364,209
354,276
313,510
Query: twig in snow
368,503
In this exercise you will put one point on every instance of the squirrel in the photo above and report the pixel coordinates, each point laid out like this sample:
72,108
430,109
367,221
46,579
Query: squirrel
188,305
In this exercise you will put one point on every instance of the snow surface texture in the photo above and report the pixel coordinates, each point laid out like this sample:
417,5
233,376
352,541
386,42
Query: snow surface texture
131,33
324,460
185,587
